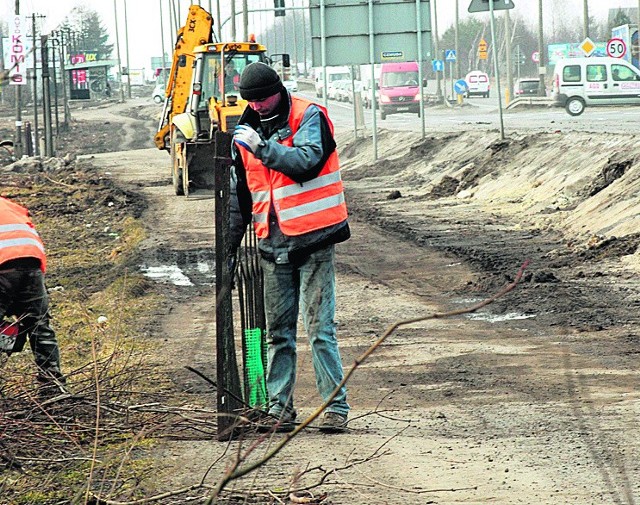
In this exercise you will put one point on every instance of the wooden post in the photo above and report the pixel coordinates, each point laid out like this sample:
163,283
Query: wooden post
228,379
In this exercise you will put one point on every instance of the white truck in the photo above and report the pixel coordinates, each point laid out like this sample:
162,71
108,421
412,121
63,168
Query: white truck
333,74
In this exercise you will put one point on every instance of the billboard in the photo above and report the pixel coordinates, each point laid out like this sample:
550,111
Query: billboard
348,33
572,50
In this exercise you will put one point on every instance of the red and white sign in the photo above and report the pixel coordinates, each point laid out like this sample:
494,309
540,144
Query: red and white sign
17,51
616,48
535,56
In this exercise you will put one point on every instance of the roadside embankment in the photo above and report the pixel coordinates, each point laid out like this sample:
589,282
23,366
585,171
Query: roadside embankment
582,185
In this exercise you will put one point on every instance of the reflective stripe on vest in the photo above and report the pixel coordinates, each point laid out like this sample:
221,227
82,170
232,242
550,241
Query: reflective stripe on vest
300,207
18,237
5,228
17,242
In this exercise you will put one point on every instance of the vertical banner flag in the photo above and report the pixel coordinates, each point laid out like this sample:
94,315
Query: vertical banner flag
17,51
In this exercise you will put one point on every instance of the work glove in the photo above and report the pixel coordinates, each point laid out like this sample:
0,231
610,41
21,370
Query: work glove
248,138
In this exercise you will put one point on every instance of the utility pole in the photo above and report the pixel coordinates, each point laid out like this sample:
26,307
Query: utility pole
54,44
219,23
233,20
541,68
304,40
115,14
17,141
585,26
507,35
36,147
245,20
63,74
46,98
295,40
436,50
164,62
126,49
457,41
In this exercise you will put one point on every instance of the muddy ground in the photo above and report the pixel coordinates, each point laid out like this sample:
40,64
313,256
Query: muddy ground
533,400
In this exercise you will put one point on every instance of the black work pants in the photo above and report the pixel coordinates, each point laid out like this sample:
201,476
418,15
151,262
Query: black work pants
23,294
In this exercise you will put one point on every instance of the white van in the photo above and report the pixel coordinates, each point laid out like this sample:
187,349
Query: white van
578,82
477,84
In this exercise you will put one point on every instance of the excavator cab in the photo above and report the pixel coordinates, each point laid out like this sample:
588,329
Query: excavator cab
214,104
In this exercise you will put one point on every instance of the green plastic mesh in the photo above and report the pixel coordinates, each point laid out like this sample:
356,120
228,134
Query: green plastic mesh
254,368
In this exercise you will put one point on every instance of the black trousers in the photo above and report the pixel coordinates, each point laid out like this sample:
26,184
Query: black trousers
23,294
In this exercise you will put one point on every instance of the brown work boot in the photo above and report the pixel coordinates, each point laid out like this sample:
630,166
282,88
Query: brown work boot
332,422
279,423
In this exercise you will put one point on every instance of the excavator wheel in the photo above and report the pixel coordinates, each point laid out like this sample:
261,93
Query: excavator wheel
176,173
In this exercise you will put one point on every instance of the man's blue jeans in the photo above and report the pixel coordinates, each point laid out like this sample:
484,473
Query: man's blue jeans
310,289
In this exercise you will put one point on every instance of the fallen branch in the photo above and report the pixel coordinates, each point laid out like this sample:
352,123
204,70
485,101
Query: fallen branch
236,470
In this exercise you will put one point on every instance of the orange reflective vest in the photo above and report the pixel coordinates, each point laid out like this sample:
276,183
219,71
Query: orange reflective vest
300,207
18,236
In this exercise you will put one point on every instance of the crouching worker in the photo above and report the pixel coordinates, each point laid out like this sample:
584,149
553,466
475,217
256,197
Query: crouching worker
22,290
286,180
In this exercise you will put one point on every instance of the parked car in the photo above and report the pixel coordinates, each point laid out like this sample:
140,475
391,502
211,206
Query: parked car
158,93
578,82
366,96
478,84
332,90
290,84
357,88
342,90
527,86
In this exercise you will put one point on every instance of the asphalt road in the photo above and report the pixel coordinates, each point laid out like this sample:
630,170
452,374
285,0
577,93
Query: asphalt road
479,113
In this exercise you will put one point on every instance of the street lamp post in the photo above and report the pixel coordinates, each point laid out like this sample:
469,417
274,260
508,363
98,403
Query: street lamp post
126,49
541,69
115,14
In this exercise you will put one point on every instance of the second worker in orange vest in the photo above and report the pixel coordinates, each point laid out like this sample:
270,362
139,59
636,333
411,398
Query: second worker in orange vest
22,291
286,181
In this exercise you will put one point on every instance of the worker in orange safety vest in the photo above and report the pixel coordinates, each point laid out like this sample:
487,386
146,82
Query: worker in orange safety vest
286,181
22,289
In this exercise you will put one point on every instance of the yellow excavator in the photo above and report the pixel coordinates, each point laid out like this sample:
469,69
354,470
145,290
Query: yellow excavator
201,97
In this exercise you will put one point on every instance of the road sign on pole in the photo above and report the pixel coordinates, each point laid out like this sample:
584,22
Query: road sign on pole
483,48
483,5
450,55
491,6
616,48
587,46
437,65
460,87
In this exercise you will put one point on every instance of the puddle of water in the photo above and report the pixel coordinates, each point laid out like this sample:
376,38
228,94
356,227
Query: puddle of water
167,273
195,267
498,318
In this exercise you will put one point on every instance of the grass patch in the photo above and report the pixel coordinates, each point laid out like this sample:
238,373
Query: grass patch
89,439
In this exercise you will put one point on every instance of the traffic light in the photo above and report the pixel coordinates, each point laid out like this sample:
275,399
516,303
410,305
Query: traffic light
278,5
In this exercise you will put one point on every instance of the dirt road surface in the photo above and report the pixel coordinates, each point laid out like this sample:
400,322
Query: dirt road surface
533,400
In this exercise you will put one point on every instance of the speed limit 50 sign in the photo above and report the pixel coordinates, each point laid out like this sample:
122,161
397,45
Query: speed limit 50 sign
616,48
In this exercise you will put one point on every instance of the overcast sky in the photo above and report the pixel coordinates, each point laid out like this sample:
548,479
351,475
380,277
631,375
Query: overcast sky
143,17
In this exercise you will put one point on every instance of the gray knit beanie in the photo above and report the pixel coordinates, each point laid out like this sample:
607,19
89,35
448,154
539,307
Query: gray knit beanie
258,81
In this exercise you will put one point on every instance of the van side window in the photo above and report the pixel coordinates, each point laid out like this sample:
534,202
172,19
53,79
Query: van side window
596,73
571,73
622,73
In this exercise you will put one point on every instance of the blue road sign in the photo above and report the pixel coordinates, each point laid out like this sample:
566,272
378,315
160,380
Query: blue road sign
438,65
460,87
450,55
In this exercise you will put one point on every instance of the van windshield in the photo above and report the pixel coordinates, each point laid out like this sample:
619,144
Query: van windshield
339,77
395,79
